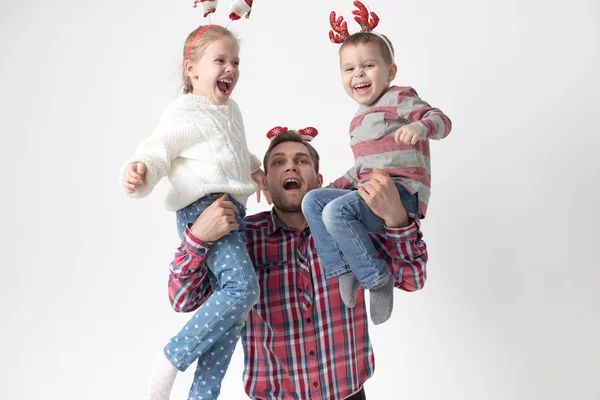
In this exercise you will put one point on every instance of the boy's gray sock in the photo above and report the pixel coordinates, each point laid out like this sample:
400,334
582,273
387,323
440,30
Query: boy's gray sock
349,286
382,301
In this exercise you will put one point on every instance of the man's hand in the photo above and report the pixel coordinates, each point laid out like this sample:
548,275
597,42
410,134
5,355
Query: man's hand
135,175
216,221
258,177
381,195
407,135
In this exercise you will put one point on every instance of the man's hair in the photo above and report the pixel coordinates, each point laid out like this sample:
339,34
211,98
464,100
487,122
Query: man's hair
291,136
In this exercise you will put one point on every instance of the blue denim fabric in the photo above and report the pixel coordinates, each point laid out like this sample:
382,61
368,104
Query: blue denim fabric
211,334
340,222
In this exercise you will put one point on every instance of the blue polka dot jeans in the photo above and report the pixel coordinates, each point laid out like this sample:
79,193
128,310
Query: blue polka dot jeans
211,334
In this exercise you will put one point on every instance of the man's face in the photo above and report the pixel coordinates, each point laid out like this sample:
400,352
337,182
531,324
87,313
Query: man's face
290,175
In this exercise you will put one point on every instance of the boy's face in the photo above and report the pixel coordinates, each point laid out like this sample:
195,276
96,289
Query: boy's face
365,74
217,72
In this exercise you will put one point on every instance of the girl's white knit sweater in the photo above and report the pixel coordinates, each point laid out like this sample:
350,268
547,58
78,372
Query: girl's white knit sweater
201,147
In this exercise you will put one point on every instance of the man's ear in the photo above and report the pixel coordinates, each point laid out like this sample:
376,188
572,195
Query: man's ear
320,180
264,183
190,69
392,72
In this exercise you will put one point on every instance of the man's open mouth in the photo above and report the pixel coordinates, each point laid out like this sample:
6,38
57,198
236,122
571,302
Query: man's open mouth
224,85
291,184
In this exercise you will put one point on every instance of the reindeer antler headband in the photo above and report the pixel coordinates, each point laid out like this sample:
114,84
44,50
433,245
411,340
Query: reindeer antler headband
308,133
340,27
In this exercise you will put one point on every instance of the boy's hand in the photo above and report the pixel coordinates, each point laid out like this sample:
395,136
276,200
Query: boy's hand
407,135
258,177
135,175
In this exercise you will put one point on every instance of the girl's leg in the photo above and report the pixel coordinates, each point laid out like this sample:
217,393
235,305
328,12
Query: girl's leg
211,334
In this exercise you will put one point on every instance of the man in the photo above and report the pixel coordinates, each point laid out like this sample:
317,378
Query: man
300,341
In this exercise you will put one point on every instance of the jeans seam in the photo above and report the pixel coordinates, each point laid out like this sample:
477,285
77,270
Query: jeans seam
380,279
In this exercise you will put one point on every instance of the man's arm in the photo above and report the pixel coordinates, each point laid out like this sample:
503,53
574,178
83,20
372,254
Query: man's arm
402,246
189,285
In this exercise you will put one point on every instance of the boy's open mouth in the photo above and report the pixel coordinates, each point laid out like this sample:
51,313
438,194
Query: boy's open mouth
362,87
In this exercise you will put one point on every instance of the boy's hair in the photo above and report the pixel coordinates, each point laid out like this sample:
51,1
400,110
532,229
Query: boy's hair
371,39
291,136
199,46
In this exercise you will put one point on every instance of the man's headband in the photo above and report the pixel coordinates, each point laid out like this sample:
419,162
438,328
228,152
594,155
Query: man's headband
308,133
340,28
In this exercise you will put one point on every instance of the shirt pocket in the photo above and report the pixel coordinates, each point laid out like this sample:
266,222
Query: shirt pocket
278,289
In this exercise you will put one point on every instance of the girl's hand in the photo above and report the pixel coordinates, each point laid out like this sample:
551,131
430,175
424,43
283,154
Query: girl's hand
135,175
407,135
258,177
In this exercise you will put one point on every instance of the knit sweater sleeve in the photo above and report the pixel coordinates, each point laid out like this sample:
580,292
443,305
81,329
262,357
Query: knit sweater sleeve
174,133
430,122
255,162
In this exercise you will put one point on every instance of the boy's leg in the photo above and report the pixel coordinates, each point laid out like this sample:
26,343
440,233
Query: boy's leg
349,220
312,206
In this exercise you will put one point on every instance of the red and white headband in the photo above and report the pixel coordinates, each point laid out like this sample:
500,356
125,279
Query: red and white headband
308,133
237,10
340,28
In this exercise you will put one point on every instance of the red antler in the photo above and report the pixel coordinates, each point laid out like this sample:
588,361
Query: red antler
339,27
362,17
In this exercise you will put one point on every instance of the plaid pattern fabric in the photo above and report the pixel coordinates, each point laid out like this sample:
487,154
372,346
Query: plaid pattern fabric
300,341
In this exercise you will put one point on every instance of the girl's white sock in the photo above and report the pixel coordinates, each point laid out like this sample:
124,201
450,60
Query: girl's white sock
162,378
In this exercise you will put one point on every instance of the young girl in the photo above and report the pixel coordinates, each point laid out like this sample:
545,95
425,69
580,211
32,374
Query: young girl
200,145
390,131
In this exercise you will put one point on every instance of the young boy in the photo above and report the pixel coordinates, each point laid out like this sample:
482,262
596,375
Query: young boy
390,131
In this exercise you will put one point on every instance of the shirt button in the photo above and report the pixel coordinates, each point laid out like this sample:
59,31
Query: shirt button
315,384
300,290
267,270
312,353
308,320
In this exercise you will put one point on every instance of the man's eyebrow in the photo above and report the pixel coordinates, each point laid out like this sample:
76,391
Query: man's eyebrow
298,154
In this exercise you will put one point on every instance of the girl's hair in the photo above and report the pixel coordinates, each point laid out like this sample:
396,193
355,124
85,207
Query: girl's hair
199,46
371,39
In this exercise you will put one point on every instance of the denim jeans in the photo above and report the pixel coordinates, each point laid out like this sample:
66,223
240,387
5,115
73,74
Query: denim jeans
211,334
340,222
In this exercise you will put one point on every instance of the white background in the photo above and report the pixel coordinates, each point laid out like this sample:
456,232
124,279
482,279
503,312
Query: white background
511,307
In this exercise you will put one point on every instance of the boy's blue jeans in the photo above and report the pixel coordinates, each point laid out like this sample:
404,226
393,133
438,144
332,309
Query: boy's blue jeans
340,222
211,334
